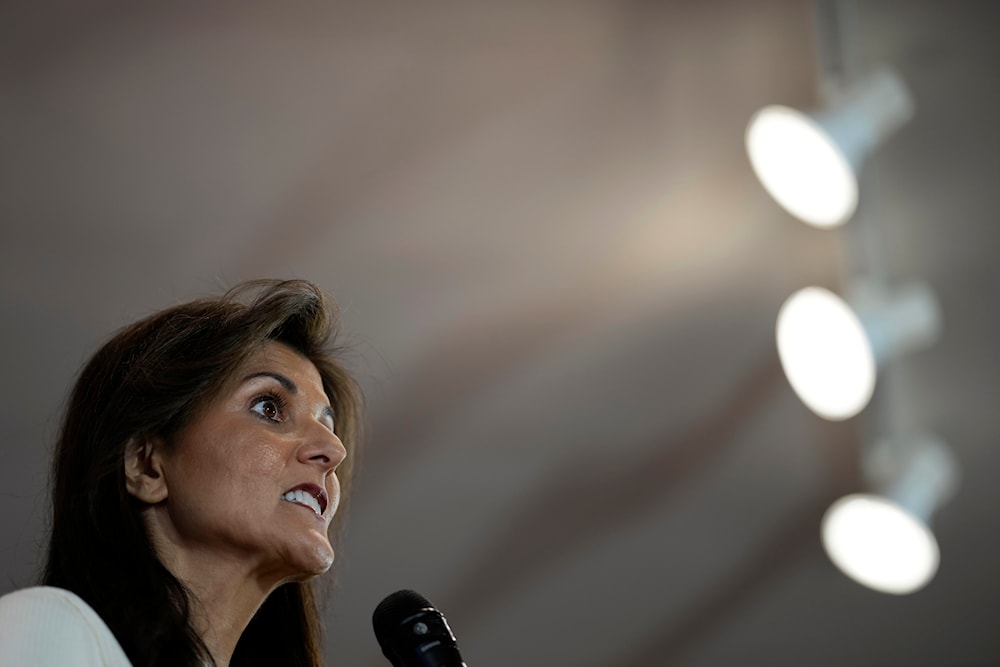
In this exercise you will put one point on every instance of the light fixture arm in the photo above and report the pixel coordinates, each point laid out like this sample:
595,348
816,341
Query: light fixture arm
920,474
866,114
896,321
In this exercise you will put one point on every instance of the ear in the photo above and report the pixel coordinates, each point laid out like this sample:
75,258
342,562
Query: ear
144,476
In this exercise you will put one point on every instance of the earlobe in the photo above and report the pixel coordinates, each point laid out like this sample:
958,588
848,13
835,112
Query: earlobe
144,478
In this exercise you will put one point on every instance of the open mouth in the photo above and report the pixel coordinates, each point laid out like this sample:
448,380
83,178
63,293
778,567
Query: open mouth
308,495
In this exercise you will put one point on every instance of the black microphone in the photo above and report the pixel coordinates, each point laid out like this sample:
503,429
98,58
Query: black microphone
412,633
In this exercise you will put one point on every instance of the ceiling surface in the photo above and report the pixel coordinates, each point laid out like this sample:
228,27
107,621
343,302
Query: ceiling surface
558,280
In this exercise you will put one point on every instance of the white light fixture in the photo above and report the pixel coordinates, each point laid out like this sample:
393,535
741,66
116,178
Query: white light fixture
830,351
809,162
884,541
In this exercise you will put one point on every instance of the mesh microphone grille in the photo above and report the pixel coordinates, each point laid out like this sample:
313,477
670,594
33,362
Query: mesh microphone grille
394,608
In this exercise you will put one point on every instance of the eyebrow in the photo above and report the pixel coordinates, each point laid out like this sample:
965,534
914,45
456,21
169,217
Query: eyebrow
290,387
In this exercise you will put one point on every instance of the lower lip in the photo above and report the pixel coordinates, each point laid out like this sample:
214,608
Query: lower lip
307,508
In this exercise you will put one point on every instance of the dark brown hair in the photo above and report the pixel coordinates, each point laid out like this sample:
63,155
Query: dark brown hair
150,380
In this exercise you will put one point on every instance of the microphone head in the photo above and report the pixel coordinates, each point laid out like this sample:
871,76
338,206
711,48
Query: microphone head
412,633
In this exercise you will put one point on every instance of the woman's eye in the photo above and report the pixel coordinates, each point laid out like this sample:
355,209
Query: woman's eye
269,408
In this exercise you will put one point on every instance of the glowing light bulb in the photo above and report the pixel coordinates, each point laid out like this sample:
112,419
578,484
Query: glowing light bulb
801,166
825,353
809,162
879,544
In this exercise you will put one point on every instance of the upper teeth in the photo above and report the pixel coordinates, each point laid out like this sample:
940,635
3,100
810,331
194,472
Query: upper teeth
303,498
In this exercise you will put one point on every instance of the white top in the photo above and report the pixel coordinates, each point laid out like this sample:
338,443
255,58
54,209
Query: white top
51,627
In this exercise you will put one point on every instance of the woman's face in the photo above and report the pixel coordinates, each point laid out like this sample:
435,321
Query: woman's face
252,477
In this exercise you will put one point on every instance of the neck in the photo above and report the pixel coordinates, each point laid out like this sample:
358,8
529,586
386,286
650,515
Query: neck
223,608
227,593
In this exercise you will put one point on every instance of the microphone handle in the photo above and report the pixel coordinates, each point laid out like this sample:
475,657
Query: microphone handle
437,655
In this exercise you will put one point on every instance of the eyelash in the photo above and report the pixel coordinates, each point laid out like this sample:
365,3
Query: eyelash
279,402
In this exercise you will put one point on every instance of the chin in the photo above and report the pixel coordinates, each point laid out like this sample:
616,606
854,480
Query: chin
310,560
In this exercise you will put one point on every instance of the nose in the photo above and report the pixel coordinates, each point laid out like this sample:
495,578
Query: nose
322,447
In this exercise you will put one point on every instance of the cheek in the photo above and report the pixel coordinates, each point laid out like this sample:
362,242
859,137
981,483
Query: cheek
263,458
254,470
220,460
